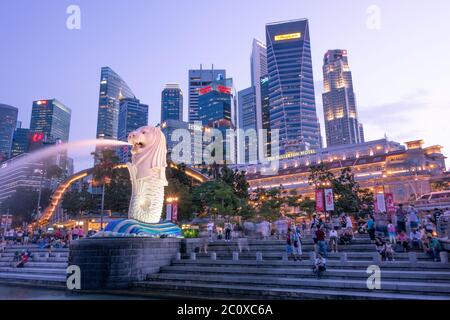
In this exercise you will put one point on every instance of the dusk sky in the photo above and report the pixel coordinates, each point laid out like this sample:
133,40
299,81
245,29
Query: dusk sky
401,70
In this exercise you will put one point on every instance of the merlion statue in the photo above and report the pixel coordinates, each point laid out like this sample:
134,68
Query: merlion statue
148,179
147,173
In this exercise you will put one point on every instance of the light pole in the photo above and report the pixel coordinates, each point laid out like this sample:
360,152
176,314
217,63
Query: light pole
41,171
103,205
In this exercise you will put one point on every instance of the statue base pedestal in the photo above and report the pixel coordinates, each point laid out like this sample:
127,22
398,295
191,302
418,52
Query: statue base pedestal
133,228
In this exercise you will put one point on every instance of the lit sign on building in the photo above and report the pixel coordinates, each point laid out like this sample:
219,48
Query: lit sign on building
224,89
204,90
292,155
288,36
41,102
37,137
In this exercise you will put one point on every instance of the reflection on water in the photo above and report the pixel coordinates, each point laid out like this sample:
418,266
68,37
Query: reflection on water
30,293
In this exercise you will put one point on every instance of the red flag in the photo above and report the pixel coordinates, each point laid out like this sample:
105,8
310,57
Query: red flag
319,201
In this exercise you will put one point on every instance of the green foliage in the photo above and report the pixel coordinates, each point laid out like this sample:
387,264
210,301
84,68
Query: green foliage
349,197
76,202
118,191
104,168
180,185
214,197
23,203
190,233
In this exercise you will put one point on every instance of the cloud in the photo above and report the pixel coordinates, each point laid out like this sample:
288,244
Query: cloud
416,115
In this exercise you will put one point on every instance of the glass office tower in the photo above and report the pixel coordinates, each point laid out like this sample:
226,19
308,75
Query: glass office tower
8,120
198,79
112,89
132,115
172,103
217,109
52,118
291,85
339,103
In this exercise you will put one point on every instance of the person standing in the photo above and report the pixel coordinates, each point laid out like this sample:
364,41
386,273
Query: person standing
334,239
401,218
391,232
371,228
228,231
210,228
297,244
413,219
320,235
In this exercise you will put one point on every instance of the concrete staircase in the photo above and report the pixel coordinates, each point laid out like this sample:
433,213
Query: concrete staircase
44,269
411,276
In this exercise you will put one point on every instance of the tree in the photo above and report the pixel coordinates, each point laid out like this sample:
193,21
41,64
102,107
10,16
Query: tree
118,191
76,202
103,172
214,197
349,197
308,205
22,204
180,185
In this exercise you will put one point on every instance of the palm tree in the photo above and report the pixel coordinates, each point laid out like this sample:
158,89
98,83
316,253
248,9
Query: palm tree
106,160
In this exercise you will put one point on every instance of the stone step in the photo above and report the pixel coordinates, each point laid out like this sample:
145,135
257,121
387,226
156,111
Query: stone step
282,248
55,271
32,277
39,254
352,256
175,289
33,249
325,283
388,265
305,271
32,264
37,259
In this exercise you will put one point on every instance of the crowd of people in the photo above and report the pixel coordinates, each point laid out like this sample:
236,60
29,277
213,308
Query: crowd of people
403,231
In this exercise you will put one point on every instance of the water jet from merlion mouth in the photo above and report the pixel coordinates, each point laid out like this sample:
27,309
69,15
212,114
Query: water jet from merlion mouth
46,152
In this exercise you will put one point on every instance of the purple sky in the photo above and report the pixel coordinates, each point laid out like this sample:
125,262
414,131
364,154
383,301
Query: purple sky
400,71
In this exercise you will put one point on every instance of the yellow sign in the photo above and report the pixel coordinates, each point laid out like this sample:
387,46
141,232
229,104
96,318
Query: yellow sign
288,36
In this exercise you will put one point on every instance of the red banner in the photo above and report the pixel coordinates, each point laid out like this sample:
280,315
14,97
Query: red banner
320,207
174,212
390,205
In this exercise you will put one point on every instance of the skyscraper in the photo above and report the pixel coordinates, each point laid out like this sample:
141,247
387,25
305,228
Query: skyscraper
52,118
339,104
172,103
258,65
20,142
132,115
291,85
112,89
247,105
217,109
198,79
8,120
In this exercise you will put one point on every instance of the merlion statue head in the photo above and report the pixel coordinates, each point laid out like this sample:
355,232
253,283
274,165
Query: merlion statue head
148,147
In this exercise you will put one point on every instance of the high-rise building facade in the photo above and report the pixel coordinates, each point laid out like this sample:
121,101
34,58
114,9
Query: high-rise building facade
20,142
339,103
247,105
200,78
52,118
217,109
8,120
291,85
258,65
132,115
172,103
112,89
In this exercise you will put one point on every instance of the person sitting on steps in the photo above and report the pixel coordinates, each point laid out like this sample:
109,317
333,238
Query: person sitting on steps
320,266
